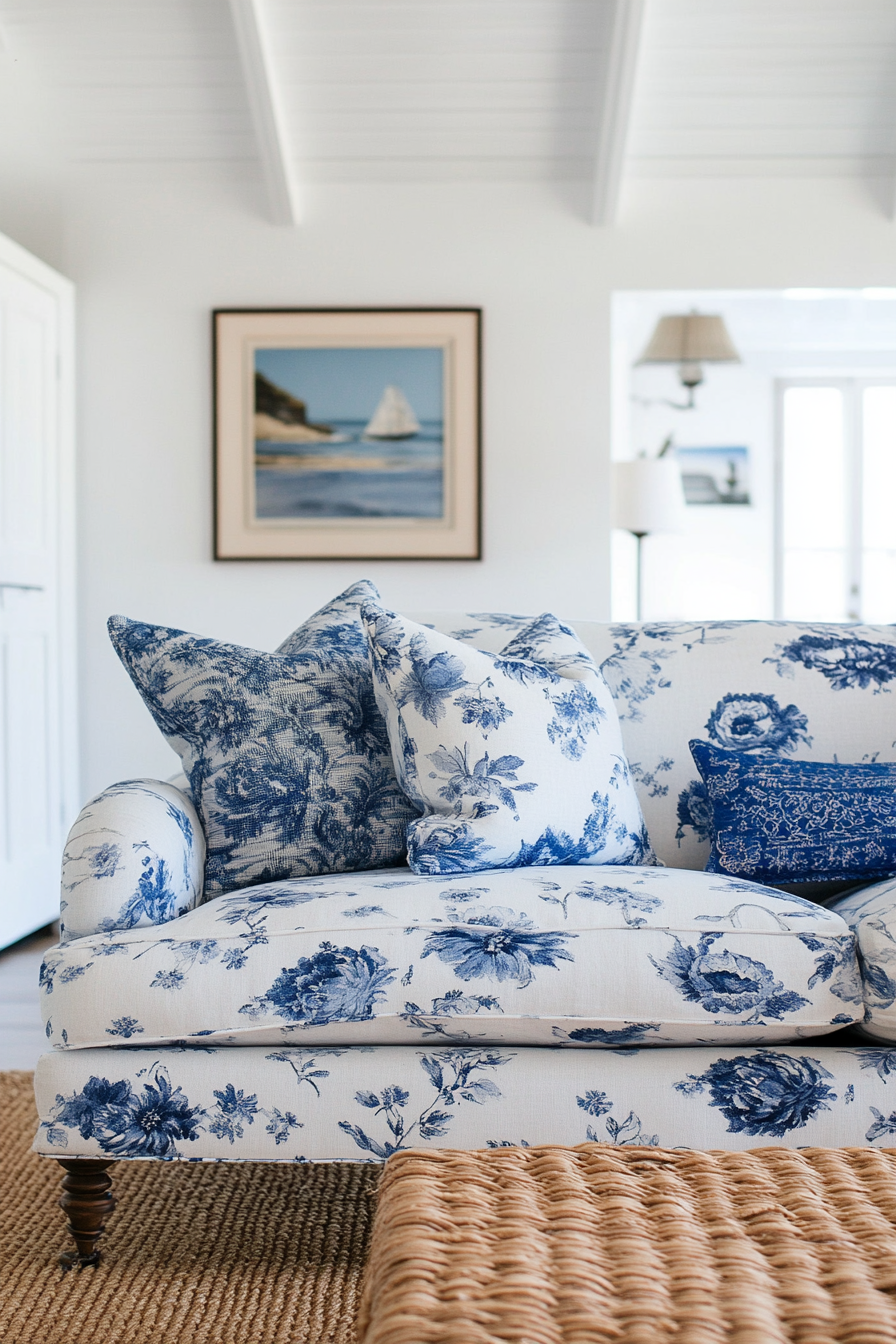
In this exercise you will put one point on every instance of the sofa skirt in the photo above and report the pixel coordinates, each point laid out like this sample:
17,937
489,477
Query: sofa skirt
360,1104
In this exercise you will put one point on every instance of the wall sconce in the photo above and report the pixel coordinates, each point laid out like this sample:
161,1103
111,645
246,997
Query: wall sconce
690,341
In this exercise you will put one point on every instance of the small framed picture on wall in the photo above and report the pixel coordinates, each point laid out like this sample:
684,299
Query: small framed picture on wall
347,433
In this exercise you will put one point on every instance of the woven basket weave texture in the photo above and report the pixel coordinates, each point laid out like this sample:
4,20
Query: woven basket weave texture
600,1245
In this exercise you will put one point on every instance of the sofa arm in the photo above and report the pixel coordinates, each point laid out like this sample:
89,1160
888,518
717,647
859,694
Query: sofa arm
871,914
135,856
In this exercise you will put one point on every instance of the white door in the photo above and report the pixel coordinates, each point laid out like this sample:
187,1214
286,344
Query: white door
38,780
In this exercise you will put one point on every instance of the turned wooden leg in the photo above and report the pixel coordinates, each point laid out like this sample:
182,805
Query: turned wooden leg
87,1199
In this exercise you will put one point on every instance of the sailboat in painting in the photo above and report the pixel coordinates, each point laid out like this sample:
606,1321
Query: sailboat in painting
393,417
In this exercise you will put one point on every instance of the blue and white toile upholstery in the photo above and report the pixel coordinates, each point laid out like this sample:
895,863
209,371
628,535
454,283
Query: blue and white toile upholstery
570,956
345,1016
361,1103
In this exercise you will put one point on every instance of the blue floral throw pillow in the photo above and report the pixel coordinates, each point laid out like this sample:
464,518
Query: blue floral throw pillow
515,758
775,820
287,755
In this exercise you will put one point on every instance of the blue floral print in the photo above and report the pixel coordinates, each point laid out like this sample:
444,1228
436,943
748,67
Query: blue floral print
883,1062
695,811
883,1125
233,1110
633,1033
455,1075
764,1093
448,849
756,723
847,661
726,982
486,712
453,1004
497,944
337,984
576,713
430,682
130,1123
104,860
484,780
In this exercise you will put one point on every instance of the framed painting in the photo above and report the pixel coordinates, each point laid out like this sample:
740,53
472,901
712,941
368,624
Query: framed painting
347,433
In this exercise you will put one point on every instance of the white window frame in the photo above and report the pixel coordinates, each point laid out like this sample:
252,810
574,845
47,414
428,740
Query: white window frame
852,390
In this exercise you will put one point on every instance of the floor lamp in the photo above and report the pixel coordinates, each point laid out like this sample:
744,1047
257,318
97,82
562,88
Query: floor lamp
647,497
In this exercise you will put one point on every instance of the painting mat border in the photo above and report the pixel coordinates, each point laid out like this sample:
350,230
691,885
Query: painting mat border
238,332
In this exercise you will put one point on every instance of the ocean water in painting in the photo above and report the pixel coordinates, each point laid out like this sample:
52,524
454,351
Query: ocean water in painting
349,433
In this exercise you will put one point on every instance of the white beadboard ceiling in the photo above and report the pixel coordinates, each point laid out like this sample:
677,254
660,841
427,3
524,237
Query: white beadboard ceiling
448,90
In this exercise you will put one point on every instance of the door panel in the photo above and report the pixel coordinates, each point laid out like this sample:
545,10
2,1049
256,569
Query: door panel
32,699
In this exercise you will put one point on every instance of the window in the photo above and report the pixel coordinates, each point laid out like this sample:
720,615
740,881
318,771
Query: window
836,501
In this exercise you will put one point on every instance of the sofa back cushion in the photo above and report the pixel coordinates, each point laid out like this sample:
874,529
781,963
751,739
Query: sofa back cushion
799,691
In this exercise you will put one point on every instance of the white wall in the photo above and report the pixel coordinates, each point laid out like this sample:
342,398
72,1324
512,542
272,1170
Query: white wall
152,258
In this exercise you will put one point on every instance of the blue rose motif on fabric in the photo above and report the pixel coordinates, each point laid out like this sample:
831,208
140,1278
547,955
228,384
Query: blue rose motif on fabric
497,944
766,1094
726,982
846,661
337,984
694,810
756,723
430,682
128,1123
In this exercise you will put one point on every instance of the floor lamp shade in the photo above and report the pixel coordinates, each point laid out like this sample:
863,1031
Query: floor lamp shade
647,495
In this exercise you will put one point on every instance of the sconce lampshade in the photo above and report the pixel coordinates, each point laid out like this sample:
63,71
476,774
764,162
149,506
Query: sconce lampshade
648,496
694,338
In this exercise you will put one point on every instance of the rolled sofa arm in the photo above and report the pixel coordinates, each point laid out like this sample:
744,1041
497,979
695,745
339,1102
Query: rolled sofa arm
871,914
135,856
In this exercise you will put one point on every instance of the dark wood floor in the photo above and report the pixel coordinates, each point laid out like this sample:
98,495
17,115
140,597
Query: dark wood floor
21,1030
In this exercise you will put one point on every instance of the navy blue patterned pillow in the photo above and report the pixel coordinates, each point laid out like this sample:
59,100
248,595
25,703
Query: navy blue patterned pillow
776,820
287,754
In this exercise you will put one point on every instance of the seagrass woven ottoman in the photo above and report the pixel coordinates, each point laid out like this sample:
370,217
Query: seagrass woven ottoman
602,1245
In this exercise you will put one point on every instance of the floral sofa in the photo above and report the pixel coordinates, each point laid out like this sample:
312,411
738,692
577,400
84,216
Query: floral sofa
346,1016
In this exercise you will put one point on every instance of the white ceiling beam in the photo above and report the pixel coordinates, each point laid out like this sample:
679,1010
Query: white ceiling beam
267,112
619,88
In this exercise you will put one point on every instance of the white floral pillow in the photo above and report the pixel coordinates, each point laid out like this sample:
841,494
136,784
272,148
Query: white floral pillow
516,758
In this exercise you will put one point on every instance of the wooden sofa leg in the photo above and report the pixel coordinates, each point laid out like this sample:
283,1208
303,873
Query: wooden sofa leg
87,1200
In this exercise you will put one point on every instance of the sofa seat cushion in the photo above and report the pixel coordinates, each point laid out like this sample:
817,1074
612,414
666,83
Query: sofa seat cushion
564,956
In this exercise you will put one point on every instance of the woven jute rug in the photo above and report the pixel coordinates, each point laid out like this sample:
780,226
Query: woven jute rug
248,1253
598,1245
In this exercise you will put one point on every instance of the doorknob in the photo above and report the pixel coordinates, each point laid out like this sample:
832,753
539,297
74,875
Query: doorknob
23,587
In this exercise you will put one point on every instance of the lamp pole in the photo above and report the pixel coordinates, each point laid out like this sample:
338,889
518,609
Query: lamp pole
639,538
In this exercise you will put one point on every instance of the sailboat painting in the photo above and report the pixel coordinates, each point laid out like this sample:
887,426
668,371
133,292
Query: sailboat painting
349,433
